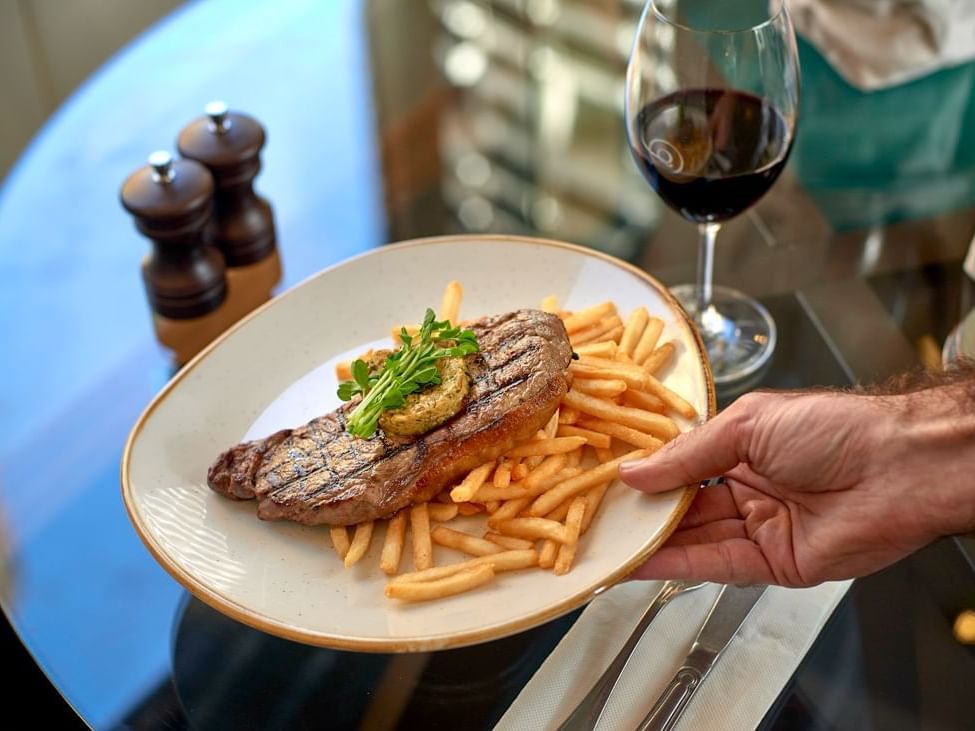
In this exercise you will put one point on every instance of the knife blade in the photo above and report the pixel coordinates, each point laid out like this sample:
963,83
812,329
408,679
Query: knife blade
727,614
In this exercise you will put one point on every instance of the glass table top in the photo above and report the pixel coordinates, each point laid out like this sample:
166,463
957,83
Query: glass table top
388,121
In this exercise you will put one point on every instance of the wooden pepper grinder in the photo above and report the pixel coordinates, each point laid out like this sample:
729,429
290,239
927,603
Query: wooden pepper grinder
184,277
229,145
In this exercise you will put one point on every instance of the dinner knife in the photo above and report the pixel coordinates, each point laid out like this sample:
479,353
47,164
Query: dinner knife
728,613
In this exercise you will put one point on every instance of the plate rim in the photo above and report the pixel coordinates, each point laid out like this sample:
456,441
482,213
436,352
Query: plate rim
257,620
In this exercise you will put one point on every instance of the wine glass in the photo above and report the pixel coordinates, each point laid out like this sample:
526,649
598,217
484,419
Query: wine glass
712,100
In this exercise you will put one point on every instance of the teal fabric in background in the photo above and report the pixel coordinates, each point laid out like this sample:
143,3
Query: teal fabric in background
870,158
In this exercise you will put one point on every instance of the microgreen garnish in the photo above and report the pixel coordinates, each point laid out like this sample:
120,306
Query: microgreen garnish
409,369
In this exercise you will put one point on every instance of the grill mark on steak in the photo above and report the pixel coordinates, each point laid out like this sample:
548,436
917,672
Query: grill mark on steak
319,473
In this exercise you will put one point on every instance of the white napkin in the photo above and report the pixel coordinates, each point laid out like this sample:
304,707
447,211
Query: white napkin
878,43
740,689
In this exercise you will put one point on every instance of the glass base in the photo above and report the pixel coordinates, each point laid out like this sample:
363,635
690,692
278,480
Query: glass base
738,332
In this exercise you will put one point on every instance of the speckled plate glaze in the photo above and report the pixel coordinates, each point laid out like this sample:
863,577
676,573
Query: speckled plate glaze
275,369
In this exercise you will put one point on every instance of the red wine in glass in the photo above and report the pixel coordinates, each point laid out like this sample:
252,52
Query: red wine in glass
710,153
711,105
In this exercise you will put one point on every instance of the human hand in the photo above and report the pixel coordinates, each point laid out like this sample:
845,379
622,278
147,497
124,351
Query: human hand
818,486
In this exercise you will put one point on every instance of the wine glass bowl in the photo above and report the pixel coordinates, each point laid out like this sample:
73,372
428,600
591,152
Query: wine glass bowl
712,101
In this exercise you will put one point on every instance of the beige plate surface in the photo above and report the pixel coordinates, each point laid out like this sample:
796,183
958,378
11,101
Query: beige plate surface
275,369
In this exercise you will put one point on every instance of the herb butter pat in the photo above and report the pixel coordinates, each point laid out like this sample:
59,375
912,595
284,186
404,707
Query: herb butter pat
419,386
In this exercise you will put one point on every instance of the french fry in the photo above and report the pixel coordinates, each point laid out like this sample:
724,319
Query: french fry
422,546
340,540
592,369
574,458
469,487
505,561
589,316
602,349
519,472
558,515
546,556
573,526
469,508
509,510
623,433
525,489
604,455
593,438
594,498
465,542
421,591
635,325
393,544
533,462
567,415
550,304
673,401
596,331
589,458
532,527
502,475
627,371
551,426
343,371
659,358
648,341
511,560
492,506
450,304
549,500
602,387
549,466
546,447
509,542
609,329
441,512
645,421
360,543
645,401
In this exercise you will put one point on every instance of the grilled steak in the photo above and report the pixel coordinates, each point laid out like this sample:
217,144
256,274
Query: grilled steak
319,473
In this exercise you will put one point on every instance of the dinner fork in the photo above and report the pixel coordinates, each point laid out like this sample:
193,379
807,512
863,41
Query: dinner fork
586,714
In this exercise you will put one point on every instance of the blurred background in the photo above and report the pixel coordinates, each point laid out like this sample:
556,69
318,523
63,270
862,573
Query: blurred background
525,98
44,57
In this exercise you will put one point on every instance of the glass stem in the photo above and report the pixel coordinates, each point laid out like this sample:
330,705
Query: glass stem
705,265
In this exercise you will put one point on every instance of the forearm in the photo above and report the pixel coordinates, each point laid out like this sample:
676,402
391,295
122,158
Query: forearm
932,443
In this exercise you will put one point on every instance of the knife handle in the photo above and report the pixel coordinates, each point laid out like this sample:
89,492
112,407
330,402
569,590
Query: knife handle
673,700
586,715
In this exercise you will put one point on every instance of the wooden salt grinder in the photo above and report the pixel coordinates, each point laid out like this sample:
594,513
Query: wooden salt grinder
229,145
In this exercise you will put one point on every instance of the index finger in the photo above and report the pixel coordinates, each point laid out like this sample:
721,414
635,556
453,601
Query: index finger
694,456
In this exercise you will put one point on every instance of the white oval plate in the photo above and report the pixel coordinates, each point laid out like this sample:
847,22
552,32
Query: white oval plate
275,369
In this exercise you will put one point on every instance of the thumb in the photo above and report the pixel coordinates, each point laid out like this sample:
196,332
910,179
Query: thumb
707,451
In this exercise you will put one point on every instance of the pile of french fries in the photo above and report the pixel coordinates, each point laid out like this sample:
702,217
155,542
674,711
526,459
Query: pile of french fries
540,498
